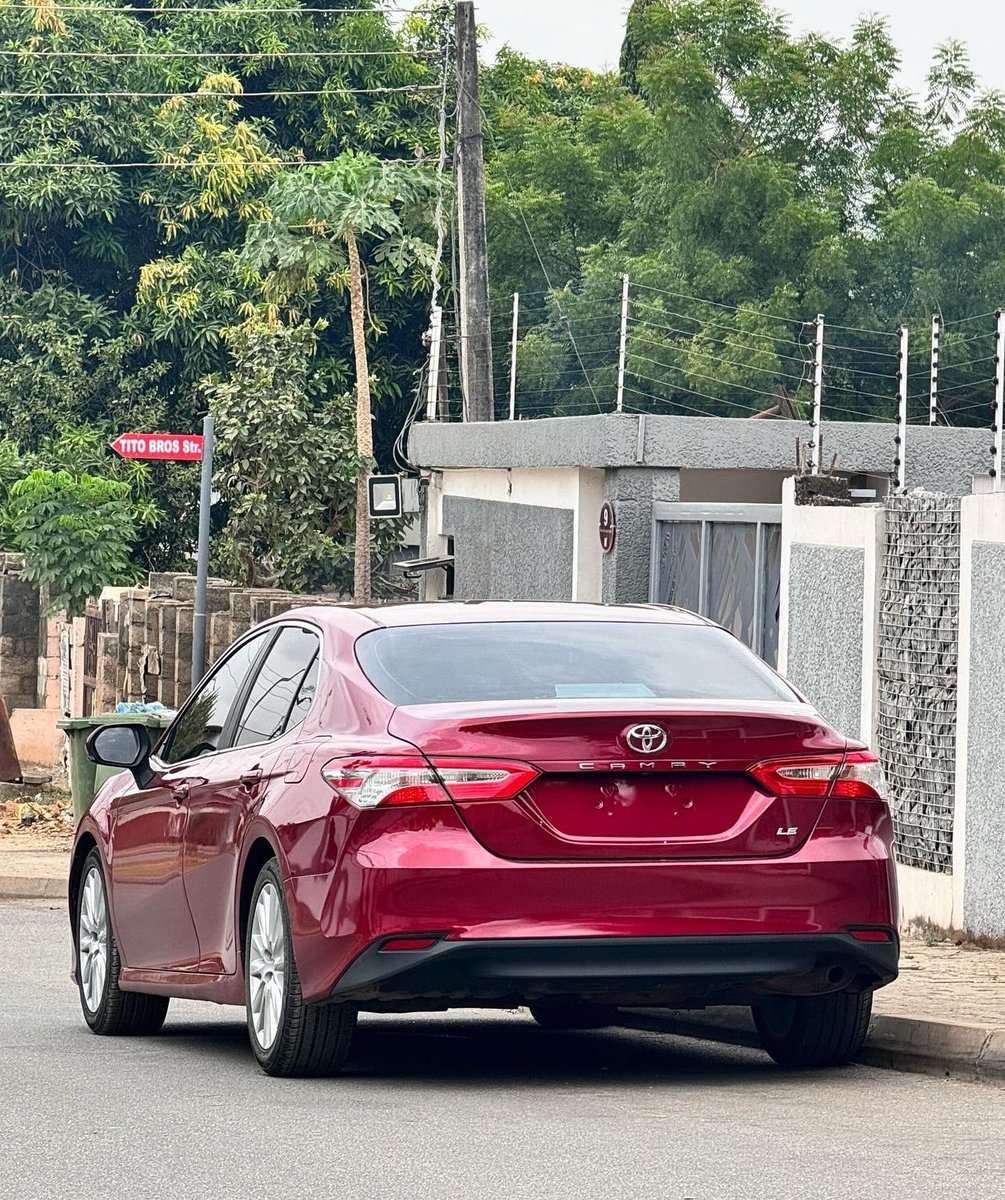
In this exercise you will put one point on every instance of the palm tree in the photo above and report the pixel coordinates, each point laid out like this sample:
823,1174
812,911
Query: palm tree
318,220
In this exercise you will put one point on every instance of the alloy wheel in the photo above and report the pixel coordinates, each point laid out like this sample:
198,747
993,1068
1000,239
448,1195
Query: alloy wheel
267,977
92,940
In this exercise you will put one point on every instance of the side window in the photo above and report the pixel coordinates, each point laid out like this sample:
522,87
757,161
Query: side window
200,726
279,688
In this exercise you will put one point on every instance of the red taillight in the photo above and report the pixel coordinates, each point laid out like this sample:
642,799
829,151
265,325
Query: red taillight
384,780
483,779
857,776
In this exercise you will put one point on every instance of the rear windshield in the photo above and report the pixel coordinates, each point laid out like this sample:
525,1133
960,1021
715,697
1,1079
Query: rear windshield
563,660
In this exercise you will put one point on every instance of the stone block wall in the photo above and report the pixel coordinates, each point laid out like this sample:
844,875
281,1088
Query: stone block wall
145,651
19,636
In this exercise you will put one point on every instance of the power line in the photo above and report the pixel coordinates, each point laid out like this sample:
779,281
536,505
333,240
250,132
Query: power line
226,10
858,329
187,164
213,54
834,387
204,94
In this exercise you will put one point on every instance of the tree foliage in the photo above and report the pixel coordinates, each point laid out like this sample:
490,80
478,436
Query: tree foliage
75,533
747,179
286,464
118,287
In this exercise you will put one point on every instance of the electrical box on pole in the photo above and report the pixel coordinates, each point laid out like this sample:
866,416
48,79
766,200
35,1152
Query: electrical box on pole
476,317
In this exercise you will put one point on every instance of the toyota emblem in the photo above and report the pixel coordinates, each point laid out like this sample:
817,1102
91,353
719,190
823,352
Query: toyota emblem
647,739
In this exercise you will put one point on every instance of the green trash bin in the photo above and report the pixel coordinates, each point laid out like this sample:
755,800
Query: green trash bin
86,777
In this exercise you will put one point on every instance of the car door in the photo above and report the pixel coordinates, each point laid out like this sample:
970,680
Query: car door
233,785
153,920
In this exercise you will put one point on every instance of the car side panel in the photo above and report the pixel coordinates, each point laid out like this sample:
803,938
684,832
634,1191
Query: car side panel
153,923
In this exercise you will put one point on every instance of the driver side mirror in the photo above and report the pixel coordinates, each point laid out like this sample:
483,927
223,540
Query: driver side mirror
125,746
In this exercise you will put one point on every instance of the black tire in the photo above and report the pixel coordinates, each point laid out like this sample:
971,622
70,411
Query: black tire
117,1013
311,1039
802,1032
572,1014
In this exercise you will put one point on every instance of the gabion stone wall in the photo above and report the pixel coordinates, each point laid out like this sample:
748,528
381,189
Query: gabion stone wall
918,654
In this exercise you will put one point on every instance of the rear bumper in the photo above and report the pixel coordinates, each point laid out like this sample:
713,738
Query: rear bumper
417,872
673,971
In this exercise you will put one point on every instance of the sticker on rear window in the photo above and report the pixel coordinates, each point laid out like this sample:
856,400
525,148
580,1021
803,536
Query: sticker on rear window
602,691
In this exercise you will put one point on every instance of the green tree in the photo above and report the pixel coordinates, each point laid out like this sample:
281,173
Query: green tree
286,464
128,188
76,534
316,225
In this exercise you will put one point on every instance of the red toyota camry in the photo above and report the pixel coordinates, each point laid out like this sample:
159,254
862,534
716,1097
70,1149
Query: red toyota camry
570,807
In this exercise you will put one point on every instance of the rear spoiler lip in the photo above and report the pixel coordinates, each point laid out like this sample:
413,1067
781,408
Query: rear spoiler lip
626,708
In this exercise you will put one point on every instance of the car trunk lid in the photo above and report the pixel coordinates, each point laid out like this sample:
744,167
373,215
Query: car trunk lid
668,781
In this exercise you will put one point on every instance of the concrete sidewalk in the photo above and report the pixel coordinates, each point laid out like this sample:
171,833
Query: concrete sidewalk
945,1014
33,871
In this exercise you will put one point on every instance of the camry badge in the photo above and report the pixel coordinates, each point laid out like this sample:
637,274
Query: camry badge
647,739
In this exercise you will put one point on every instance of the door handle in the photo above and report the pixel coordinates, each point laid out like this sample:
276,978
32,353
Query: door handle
251,779
180,792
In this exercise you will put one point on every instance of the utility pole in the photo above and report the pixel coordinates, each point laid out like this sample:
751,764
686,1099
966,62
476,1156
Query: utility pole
476,317
200,617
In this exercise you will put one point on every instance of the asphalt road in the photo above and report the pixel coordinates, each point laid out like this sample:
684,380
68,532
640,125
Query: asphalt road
461,1105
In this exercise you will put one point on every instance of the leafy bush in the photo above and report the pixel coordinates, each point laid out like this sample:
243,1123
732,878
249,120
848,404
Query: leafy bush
76,534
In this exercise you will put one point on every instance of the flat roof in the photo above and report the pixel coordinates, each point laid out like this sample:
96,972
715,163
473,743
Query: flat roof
938,458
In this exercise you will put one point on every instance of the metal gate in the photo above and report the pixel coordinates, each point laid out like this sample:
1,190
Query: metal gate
723,561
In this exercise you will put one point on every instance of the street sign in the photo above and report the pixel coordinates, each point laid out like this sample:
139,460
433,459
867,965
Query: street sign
385,496
608,528
162,447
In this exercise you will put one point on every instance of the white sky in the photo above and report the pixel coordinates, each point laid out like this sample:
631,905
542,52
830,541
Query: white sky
589,32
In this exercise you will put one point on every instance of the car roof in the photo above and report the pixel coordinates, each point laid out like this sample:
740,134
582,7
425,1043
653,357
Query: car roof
447,612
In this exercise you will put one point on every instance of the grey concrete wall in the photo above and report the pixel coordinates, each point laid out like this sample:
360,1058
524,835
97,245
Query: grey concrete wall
632,491
940,459
984,866
509,551
825,630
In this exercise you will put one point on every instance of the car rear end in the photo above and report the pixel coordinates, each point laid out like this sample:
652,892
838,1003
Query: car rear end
620,809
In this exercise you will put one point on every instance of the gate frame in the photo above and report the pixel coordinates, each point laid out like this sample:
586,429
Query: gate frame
706,514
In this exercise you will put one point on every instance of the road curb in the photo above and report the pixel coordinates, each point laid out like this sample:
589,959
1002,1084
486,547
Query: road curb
33,887
911,1044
